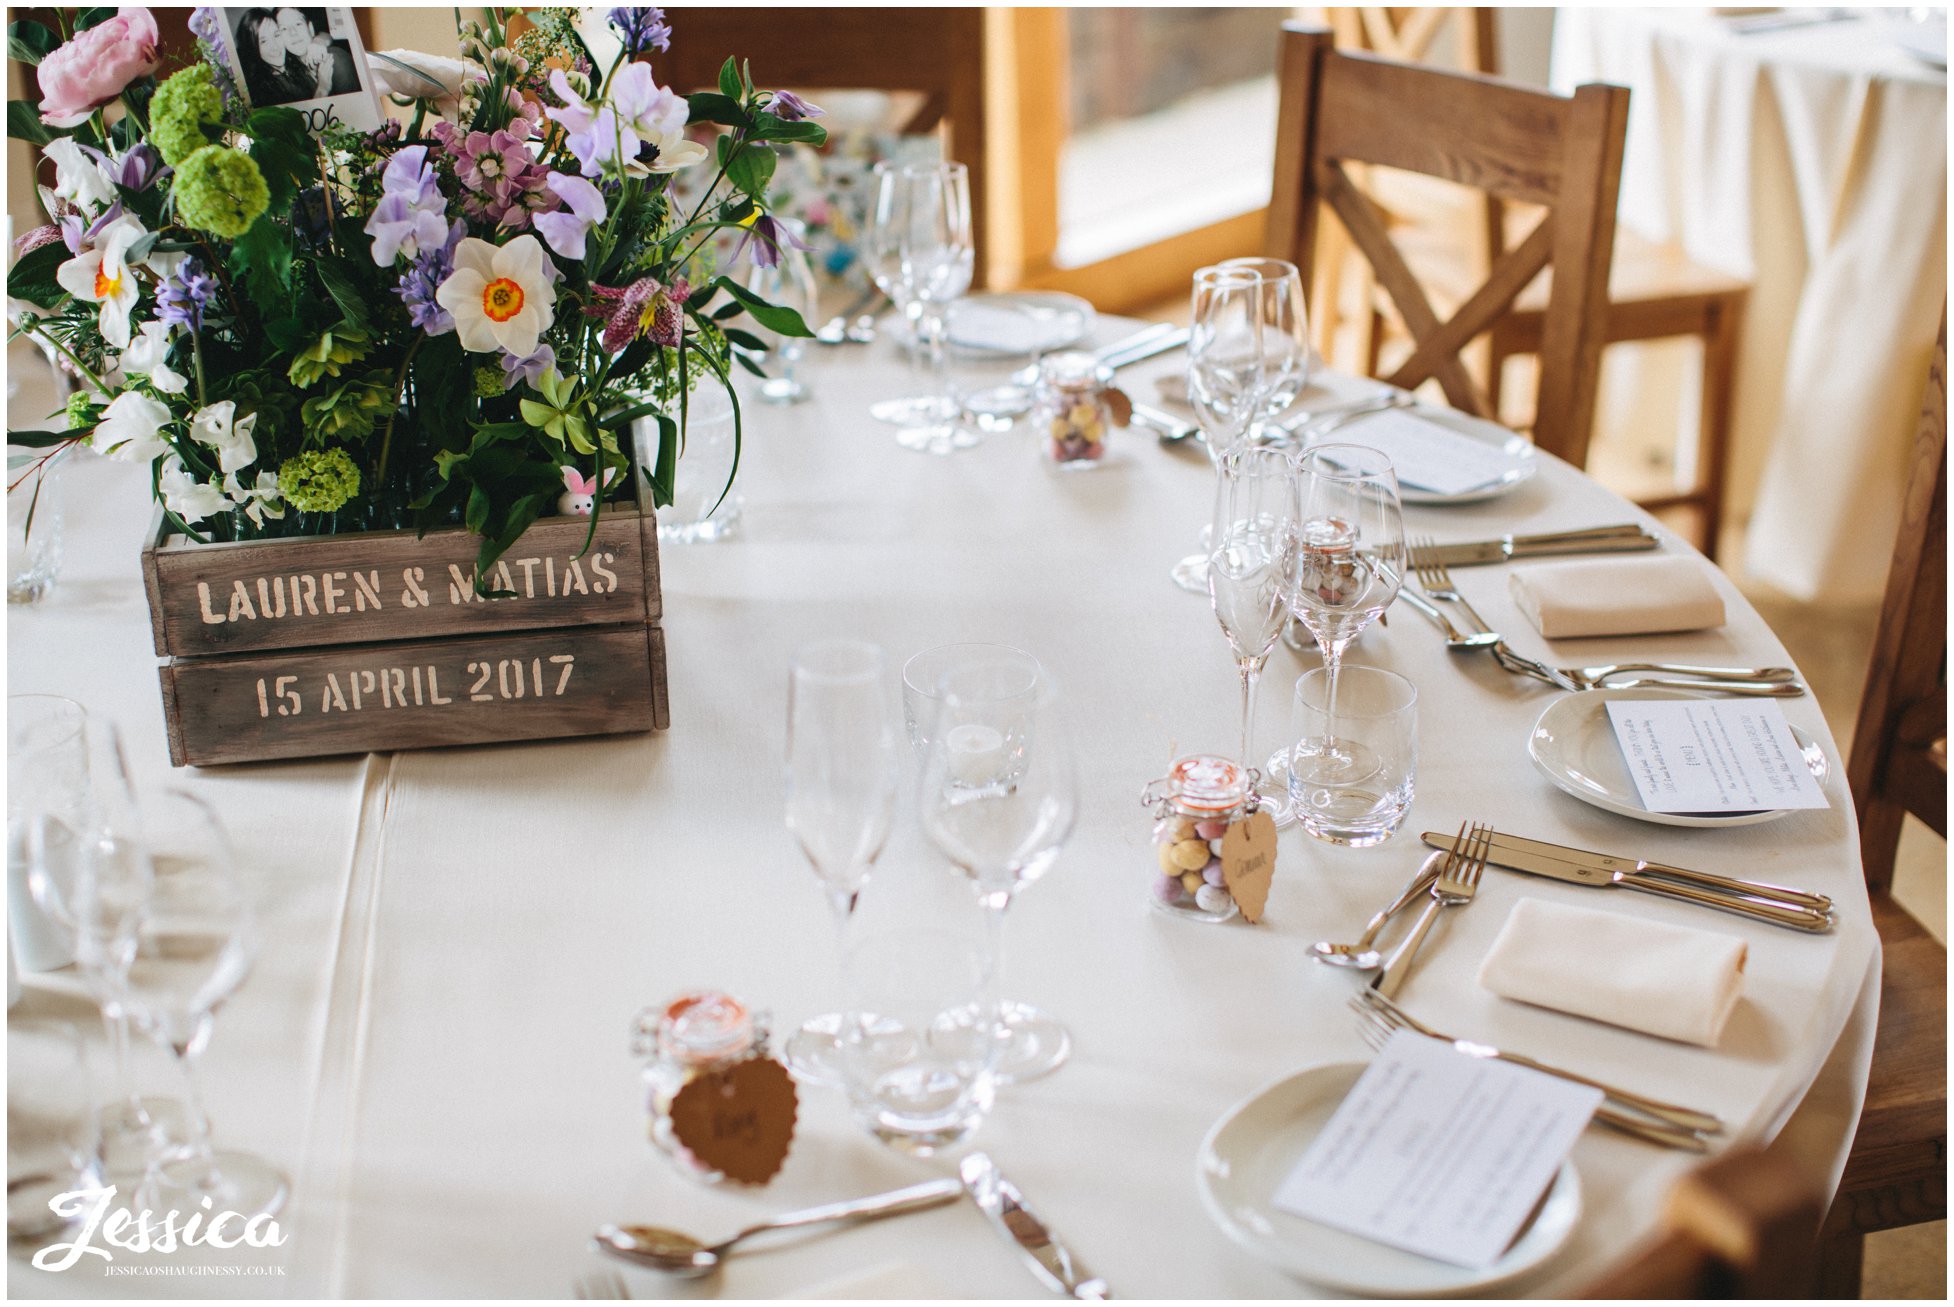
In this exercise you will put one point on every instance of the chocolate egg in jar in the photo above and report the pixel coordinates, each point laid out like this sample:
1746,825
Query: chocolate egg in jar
695,1035
1075,408
1327,562
1194,806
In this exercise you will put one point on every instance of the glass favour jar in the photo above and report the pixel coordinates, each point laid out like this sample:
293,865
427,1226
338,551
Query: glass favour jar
1075,408
1194,806
696,1034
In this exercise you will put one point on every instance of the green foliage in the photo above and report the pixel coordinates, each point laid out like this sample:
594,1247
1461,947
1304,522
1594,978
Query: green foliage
349,411
30,42
32,279
24,123
329,355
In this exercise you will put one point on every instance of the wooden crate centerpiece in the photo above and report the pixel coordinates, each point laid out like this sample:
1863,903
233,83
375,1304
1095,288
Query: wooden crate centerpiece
376,641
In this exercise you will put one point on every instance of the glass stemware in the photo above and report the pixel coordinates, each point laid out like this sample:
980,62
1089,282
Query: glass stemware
1249,572
844,766
1285,337
918,245
1349,563
999,798
1226,380
195,940
788,282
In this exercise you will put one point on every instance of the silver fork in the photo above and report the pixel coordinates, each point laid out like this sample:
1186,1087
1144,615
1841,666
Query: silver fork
601,1285
1436,577
1458,881
1379,1007
1377,1030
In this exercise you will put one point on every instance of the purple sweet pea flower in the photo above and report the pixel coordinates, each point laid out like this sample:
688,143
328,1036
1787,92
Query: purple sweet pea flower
411,215
530,369
134,171
565,231
596,136
79,232
790,108
184,295
642,29
766,236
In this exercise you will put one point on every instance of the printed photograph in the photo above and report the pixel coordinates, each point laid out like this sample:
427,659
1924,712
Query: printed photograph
307,58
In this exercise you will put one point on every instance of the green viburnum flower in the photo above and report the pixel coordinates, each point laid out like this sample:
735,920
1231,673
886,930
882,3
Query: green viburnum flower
80,411
350,410
489,381
221,191
329,355
558,414
319,480
181,107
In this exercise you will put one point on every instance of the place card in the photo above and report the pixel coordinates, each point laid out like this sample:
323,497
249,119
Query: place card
1439,1153
1426,455
739,1121
1713,755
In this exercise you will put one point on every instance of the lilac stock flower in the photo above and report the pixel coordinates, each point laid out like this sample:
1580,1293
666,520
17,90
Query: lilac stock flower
530,368
790,108
184,295
565,230
766,235
411,215
424,277
644,308
642,28
207,25
504,183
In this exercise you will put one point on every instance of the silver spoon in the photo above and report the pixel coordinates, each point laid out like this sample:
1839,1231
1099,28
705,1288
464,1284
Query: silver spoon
680,1254
863,332
1361,955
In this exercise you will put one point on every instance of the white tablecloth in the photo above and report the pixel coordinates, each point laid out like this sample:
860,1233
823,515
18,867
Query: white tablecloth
1813,161
436,1042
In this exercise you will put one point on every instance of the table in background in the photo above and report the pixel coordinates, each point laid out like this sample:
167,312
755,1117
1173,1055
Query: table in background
1813,161
436,1042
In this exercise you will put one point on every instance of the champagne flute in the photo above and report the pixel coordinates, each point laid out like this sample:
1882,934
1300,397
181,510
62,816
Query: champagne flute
1226,381
1250,568
194,942
918,245
999,798
789,282
1349,563
844,765
1285,336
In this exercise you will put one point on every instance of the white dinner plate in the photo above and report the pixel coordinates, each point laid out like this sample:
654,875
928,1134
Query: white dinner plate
1575,747
1522,460
1249,1153
1014,324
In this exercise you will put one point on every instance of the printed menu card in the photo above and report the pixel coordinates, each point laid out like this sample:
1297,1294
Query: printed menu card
1713,755
1439,1153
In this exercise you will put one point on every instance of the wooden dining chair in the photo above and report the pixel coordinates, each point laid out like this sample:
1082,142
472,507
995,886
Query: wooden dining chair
1896,1174
1739,1226
1561,153
1655,290
935,55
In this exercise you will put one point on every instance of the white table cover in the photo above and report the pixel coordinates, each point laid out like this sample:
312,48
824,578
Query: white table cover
435,1044
1813,161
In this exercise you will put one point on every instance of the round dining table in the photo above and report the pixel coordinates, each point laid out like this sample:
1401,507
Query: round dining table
1805,151
436,1043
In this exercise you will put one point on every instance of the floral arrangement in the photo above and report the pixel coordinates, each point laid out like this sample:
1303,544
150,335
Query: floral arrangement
444,320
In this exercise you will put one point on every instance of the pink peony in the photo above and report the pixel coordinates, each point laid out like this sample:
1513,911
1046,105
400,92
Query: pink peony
93,69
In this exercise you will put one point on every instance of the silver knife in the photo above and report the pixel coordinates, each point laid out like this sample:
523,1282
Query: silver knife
1600,540
1792,916
1608,862
1051,1261
1172,430
1138,350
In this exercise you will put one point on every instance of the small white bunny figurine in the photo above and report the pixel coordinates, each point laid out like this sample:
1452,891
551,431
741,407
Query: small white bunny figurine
580,492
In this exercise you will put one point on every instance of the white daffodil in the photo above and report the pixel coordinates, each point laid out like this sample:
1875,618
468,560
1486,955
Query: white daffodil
78,177
500,296
130,427
218,426
259,500
190,499
101,274
147,356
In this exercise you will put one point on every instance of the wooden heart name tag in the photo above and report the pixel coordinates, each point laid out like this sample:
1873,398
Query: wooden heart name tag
739,1121
1248,863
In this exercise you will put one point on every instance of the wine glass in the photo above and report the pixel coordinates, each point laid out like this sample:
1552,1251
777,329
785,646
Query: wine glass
1349,563
1252,554
195,939
789,282
1285,335
919,248
999,799
1227,383
844,766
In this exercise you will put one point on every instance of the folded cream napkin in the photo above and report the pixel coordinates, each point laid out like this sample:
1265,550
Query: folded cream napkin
1617,596
1673,981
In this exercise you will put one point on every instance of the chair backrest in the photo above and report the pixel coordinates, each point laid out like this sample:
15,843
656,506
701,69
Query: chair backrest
1899,748
1407,34
1514,143
1744,1225
937,53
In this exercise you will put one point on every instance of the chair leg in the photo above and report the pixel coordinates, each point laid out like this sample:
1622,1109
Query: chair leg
1880,819
1841,1261
1724,322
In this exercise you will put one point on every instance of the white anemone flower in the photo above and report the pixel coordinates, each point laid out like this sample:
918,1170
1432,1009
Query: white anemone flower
78,177
190,499
217,425
500,296
131,427
101,275
147,355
